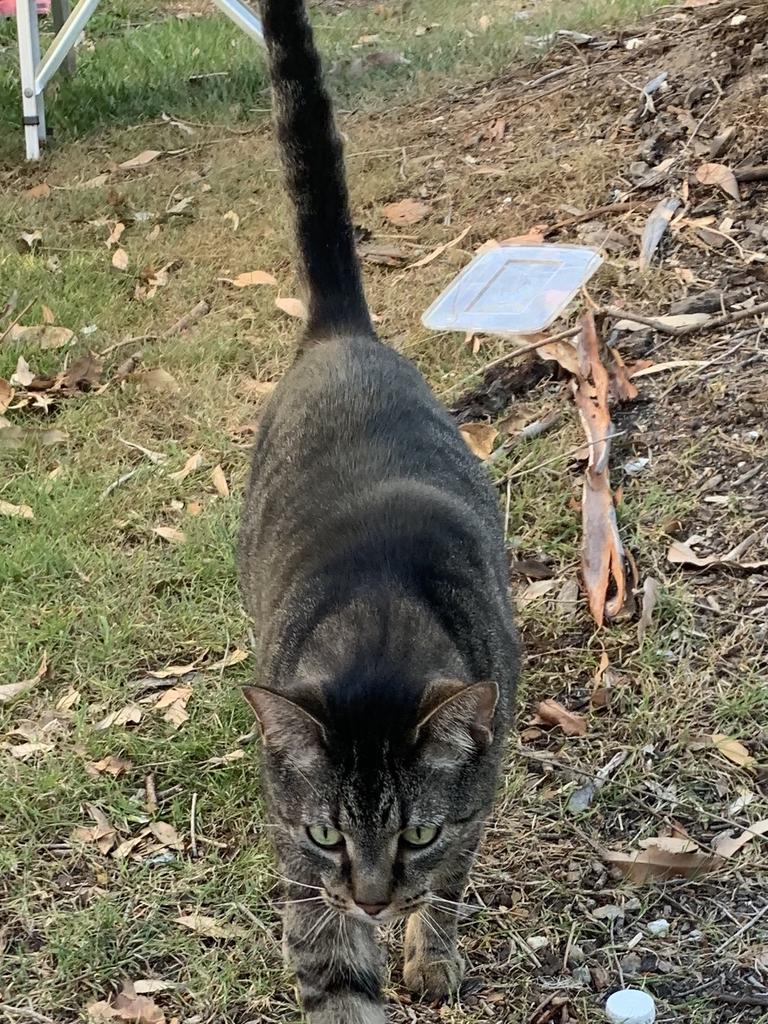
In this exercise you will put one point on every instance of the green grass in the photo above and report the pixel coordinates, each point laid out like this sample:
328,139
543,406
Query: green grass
90,585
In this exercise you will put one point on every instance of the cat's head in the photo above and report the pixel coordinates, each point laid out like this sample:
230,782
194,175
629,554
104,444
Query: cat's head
380,802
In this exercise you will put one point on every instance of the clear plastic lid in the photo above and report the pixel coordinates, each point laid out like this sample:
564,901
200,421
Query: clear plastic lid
513,289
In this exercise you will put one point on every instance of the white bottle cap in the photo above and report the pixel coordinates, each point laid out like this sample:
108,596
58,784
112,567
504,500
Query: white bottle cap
631,1006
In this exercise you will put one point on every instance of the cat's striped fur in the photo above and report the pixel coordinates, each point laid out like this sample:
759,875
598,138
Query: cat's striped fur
372,562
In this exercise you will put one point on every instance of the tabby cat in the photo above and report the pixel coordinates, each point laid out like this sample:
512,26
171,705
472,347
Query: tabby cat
372,563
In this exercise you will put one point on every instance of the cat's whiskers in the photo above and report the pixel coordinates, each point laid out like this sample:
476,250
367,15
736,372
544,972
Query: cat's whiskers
304,885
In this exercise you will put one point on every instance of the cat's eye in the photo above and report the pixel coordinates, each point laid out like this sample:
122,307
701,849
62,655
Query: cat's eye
325,836
420,835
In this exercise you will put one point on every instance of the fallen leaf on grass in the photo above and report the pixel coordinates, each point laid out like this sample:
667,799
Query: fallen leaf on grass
602,552
479,437
120,259
23,751
6,395
726,845
171,534
174,703
10,691
668,320
193,463
219,481
230,758
109,765
15,511
42,335
233,658
682,554
651,592
382,254
732,749
103,835
655,227
551,712
233,219
130,715
68,701
535,590
210,928
129,1005
166,834
663,858
29,241
406,212
141,160
115,234
149,986
156,380
293,307
438,251
175,671
41,191
254,277
720,175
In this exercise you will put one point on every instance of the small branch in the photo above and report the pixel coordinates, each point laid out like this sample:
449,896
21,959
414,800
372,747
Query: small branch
734,1000
743,930
151,794
193,827
14,323
581,218
757,173
201,309
679,332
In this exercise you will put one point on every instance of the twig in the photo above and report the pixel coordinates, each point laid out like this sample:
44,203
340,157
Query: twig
679,332
744,928
193,827
151,793
556,458
534,345
22,1011
757,173
127,341
198,311
642,204
734,1000
120,480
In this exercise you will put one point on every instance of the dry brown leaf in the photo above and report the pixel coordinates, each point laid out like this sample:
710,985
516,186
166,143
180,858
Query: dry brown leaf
116,234
172,695
109,765
535,590
141,160
41,191
210,928
6,395
438,251
651,591
156,380
42,335
732,749
23,751
534,236
48,315
219,481
174,705
602,552
166,835
129,715
655,227
120,259
127,1006
233,658
662,859
175,671
233,219
68,701
479,437
406,212
230,758
681,554
103,835
10,691
171,534
293,307
720,175
149,986
248,280
727,845
551,712
15,511
193,463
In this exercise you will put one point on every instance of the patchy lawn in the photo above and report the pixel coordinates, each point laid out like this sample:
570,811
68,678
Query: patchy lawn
129,802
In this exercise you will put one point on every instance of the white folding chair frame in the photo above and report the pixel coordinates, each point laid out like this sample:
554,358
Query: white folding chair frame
36,73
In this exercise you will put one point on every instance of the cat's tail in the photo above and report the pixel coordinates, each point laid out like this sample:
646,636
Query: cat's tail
314,167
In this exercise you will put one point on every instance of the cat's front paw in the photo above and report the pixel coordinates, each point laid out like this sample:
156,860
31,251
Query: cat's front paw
435,980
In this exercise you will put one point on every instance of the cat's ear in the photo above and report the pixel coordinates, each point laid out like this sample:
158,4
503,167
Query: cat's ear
286,727
458,717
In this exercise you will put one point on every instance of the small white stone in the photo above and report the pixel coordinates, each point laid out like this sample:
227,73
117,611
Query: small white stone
537,942
659,928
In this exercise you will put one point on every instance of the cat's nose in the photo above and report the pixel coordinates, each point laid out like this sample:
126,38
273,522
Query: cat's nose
372,909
